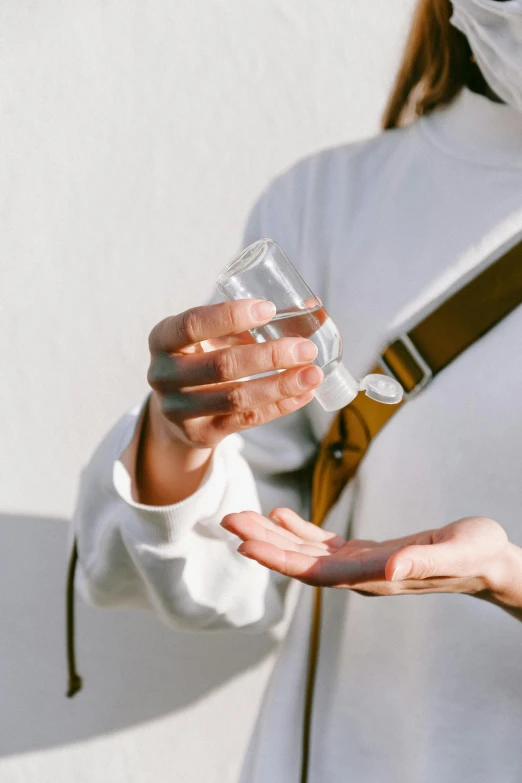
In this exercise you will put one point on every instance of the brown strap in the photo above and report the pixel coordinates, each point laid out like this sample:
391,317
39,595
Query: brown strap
313,655
75,681
343,448
413,359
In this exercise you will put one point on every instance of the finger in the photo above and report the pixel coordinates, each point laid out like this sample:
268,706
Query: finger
225,425
242,338
228,364
207,322
248,528
295,564
267,522
241,397
305,530
229,522
448,558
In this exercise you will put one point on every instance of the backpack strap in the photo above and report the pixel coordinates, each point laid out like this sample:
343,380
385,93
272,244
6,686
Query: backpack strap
414,358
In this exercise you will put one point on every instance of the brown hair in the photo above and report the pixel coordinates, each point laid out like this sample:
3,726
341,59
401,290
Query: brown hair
436,64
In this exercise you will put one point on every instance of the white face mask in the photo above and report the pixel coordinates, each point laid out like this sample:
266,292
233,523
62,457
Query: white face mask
494,32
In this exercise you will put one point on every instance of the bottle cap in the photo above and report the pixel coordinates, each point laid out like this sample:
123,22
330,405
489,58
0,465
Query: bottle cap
382,388
338,389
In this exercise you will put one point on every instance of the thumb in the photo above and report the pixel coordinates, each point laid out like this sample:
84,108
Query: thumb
449,558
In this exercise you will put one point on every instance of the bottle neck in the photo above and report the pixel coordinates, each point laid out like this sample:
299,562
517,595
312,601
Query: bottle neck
338,389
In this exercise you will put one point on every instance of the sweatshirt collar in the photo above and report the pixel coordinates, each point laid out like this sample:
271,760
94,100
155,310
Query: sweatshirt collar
478,130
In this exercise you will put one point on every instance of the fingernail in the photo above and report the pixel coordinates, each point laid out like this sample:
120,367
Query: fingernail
402,570
309,377
304,351
262,311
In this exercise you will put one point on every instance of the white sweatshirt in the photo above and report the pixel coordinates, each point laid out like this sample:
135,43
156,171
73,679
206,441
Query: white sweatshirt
423,689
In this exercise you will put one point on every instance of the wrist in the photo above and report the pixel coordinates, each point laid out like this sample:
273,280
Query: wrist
504,577
167,470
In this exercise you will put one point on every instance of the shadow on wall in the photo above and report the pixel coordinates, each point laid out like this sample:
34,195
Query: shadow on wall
134,668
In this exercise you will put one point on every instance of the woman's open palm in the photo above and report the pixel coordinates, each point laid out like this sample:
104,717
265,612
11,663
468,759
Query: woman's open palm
461,557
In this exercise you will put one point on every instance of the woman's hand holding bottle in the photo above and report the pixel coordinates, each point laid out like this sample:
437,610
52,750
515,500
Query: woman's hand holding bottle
199,362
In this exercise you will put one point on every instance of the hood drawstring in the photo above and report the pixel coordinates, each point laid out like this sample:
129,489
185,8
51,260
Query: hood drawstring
75,681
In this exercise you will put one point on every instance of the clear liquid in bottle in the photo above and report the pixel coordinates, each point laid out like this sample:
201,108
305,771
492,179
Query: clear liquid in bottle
314,324
263,271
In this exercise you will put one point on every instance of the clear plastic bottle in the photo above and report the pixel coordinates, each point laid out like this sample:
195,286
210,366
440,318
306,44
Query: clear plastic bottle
263,271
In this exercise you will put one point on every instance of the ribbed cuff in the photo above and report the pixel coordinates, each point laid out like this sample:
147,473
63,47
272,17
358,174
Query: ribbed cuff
179,518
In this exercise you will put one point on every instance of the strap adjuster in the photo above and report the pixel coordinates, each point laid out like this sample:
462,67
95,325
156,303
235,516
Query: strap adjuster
403,362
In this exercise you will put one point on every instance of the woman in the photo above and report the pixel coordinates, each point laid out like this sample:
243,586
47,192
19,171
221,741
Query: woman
424,688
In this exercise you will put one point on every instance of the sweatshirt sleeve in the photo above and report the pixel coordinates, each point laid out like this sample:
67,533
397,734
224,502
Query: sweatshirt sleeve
177,560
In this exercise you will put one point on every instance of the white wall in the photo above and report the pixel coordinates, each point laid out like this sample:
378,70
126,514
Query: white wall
133,138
